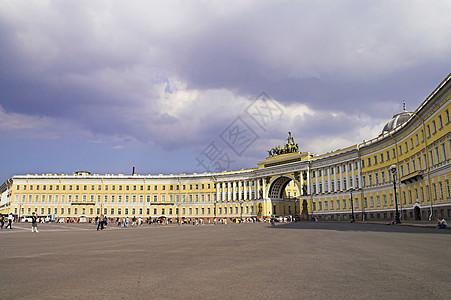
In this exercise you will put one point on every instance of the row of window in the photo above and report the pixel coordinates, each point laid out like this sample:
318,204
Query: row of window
229,185
335,185
50,198
440,123
156,211
381,157
346,167
437,154
113,187
408,195
226,197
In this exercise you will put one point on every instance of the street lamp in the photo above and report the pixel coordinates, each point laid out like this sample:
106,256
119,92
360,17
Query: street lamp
177,205
241,210
393,171
352,207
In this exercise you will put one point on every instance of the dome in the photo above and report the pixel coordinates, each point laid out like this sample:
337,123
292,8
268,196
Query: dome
397,120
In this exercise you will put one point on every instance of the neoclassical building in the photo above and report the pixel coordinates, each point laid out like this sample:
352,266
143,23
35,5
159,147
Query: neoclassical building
413,148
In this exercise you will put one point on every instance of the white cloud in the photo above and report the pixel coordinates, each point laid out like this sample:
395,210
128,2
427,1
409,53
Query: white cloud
175,74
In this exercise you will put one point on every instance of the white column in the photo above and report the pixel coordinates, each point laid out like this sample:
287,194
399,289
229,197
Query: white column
239,190
358,174
233,190
257,191
223,191
217,191
341,177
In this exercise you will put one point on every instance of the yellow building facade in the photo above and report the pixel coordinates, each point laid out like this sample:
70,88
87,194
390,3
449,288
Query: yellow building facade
413,148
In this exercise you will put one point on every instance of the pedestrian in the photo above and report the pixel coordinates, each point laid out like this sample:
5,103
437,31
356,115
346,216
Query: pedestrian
10,221
2,222
100,224
34,223
441,224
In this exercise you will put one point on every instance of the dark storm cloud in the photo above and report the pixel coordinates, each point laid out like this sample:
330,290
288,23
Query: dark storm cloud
175,74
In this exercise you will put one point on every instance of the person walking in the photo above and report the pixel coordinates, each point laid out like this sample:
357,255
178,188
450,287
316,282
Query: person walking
100,224
2,222
10,221
34,223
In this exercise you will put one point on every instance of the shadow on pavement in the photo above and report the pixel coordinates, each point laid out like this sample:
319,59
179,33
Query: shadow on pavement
370,227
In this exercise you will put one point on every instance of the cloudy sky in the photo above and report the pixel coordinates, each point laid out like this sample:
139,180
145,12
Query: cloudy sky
194,86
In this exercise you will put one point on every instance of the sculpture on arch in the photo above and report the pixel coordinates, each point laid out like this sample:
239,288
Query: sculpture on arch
289,147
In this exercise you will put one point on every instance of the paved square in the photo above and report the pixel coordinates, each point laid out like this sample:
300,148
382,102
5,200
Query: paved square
235,261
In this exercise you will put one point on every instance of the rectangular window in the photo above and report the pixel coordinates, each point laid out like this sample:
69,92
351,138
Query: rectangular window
448,190
444,152
437,154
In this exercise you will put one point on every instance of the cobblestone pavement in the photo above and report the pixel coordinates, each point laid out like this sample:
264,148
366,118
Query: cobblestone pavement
234,261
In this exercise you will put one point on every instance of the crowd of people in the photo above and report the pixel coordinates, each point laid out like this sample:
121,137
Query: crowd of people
126,222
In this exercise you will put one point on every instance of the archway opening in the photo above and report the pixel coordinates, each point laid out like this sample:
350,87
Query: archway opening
417,213
284,194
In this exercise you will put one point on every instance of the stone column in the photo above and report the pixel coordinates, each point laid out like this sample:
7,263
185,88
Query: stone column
233,190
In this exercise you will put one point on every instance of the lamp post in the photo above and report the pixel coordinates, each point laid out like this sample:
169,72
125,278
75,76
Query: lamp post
352,207
393,171
178,212
241,210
